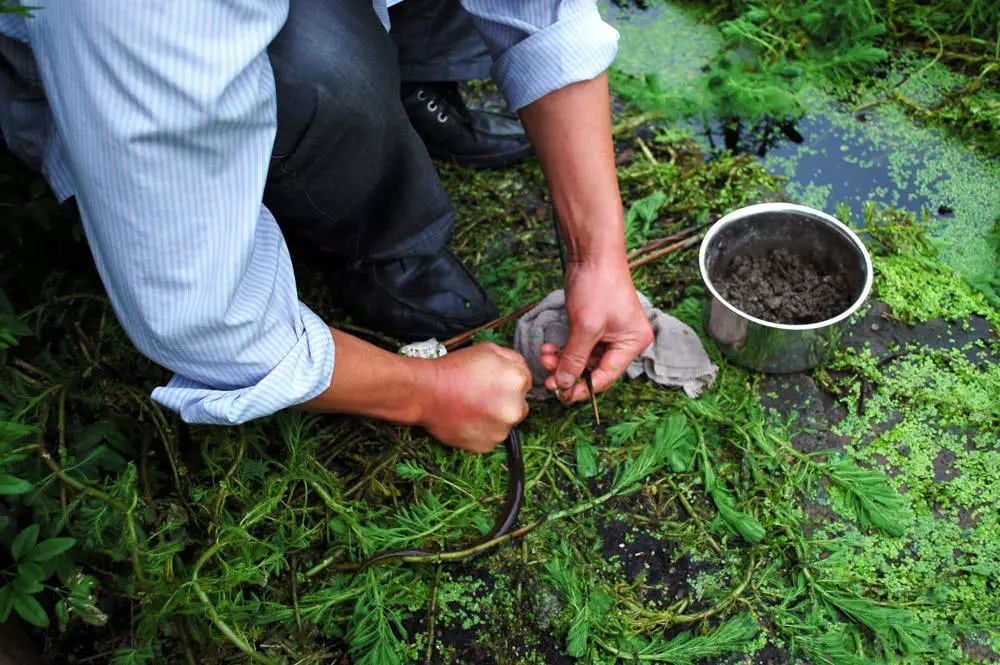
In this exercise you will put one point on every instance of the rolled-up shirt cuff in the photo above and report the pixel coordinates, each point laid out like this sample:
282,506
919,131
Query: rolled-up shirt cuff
304,372
575,48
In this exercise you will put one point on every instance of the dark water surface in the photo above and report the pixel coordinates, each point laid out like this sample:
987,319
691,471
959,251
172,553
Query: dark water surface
831,155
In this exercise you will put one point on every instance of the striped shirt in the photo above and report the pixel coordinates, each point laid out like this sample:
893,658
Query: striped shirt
159,117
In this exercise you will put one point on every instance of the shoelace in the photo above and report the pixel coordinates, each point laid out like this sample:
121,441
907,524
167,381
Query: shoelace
432,105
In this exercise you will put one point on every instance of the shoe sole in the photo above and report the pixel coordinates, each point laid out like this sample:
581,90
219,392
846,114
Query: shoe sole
486,162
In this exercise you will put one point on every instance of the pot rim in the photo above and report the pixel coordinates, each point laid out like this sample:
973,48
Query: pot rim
814,215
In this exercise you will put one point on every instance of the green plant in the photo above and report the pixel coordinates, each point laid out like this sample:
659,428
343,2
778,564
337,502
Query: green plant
639,219
35,561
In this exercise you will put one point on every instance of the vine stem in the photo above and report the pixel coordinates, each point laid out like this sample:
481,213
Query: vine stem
694,516
457,555
667,619
432,618
127,511
61,474
213,614
479,548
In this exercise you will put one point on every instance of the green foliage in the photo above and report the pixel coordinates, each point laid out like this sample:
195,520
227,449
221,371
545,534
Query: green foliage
588,606
833,646
639,219
897,629
700,529
672,437
989,284
774,49
745,525
409,470
912,280
586,459
732,636
373,638
875,503
34,563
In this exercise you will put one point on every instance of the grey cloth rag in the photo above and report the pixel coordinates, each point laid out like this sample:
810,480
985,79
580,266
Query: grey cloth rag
675,358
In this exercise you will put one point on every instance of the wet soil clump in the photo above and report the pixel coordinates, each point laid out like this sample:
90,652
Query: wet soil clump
783,287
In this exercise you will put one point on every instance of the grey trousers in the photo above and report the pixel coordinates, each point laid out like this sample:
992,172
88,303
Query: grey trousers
349,175
438,42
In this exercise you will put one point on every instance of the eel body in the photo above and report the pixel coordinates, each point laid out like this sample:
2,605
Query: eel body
503,524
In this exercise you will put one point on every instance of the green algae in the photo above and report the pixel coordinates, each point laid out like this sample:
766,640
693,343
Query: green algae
932,422
918,291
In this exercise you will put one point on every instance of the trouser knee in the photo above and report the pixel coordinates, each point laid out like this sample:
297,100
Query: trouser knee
348,170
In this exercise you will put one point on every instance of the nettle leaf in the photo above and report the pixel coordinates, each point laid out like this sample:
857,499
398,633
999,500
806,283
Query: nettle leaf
586,459
678,439
4,521
11,485
50,549
24,542
29,578
31,611
11,431
742,523
7,596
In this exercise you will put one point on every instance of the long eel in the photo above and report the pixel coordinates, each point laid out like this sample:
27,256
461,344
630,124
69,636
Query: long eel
505,519
515,478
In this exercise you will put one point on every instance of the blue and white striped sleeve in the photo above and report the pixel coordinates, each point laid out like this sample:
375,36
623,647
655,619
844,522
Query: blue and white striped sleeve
542,45
166,115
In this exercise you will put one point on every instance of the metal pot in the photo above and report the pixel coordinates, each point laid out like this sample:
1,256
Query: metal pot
758,229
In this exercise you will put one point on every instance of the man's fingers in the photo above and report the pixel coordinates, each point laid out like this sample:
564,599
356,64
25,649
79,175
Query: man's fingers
509,354
574,356
549,360
612,365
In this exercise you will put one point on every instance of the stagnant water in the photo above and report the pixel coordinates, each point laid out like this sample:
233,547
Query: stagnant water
832,156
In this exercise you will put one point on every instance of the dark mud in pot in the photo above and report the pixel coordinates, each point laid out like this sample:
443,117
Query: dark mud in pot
784,280
784,287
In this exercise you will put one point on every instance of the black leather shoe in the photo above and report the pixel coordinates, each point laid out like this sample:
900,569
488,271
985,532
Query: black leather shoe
453,132
415,298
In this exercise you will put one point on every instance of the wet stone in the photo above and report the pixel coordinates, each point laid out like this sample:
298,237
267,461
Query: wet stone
888,337
816,410
944,467
640,553
16,648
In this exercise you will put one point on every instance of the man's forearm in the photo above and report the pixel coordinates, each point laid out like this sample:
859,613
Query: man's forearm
571,131
468,399
372,382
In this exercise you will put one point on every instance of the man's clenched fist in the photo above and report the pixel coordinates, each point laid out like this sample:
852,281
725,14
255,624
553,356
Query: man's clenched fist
476,395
